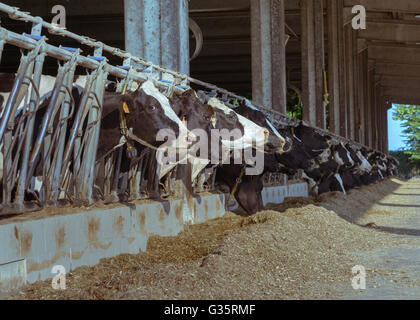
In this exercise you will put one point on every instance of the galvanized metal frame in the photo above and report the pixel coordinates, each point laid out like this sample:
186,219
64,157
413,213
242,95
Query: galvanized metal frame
55,153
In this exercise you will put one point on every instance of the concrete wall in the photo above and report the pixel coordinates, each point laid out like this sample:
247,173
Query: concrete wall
29,248
83,238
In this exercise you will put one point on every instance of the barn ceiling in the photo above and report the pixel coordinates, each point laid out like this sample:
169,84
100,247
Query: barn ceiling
392,38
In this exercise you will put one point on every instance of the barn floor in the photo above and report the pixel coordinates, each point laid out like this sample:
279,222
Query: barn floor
302,249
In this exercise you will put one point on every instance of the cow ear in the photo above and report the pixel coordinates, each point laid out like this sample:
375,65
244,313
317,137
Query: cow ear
210,110
126,104
187,93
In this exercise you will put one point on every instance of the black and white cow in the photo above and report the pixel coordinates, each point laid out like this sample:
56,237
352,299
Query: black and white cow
149,113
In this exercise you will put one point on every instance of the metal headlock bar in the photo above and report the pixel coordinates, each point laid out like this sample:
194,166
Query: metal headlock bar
274,115
64,153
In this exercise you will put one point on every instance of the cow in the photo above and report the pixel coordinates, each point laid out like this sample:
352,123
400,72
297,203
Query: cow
276,142
149,113
247,188
201,116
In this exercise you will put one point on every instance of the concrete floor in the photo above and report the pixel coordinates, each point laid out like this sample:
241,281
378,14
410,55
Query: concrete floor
401,279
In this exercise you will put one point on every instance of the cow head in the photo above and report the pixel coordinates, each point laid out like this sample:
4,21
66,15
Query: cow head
252,134
330,183
297,157
276,142
314,141
342,155
353,154
364,166
188,107
150,117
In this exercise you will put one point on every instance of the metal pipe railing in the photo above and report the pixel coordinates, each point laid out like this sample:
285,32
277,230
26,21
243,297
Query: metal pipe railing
56,148
14,13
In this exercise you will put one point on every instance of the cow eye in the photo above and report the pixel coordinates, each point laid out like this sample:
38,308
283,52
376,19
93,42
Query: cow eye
152,108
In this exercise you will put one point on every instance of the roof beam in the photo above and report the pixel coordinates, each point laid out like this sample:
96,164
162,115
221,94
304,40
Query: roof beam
404,100
386,5
397,69
390,30
402,95
400,82
394,54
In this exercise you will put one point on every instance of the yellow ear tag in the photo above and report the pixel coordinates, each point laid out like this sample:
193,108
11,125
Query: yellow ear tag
125,107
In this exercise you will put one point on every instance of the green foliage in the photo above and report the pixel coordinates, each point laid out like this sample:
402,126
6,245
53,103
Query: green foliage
410,117
327,111
294,109
407,166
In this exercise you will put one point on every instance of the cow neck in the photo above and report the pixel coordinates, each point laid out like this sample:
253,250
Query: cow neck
292,130
123,122
320,180
238,181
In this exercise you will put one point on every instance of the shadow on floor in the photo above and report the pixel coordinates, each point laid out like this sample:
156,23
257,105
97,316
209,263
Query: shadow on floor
398,205
362,202
399,231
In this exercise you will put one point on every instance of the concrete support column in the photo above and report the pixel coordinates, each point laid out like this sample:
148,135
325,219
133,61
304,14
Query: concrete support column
335,25
313,61
383,126
357,99
350,38
385,121
362,95
157,30
380,117
342,68
376,133
369,110
269,86
319,30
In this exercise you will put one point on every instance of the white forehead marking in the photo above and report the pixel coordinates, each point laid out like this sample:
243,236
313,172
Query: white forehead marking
151,90
219,105
252,132
348,154
350,158
365,166
324,156
251,106
340,181
297,138
382,167
248,124
338,158
274,129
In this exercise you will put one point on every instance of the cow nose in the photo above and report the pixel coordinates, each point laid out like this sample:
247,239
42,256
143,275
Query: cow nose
190,138
287,146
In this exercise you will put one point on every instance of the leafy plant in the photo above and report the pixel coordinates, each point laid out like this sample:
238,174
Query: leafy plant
410,117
